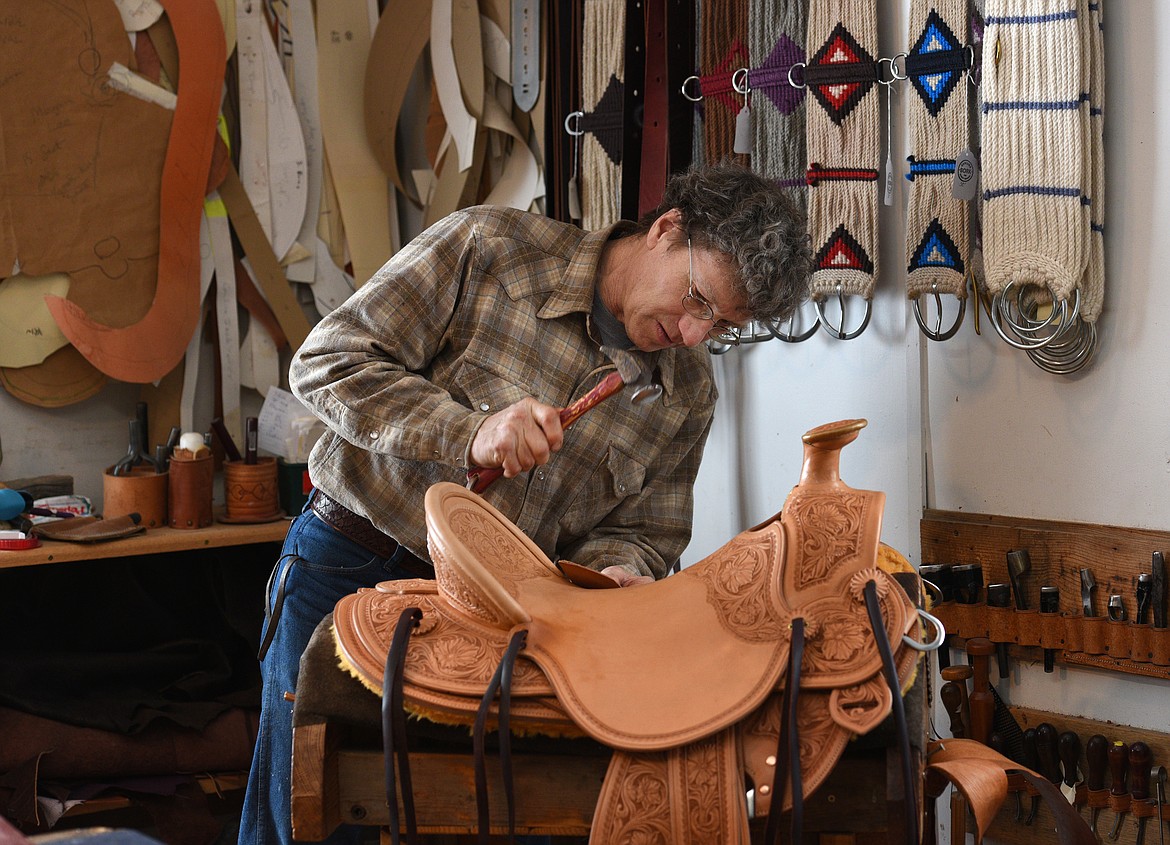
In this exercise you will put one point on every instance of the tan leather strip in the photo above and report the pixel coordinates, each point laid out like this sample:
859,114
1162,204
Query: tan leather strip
264,262
395,50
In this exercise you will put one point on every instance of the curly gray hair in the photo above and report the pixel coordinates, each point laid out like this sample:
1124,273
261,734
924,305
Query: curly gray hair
751,220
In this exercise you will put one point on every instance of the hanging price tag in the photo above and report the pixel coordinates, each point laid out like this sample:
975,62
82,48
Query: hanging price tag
966,181
888,197
743,132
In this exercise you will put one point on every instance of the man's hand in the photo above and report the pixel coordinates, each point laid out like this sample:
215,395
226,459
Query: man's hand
625,578
518,438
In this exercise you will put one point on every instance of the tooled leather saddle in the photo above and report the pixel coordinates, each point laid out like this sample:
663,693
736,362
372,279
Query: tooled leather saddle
758,663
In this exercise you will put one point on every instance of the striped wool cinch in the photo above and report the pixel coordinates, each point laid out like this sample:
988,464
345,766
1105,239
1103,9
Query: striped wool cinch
1035,226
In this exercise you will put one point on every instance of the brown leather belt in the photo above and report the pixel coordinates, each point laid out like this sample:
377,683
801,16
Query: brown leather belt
359,529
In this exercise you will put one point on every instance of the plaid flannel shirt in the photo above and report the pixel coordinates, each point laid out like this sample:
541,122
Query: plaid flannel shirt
486,307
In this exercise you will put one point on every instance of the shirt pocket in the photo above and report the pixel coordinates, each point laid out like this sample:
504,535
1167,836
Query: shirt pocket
481,388
616,478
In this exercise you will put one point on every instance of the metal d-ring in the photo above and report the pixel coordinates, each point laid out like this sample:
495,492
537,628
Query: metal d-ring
894,67
699,82
997,316
800,65
893,70
940,633
839,332
741,74
788,336
936,333
574,117
1066,358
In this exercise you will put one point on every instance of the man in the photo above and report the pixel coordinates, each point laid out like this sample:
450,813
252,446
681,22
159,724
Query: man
461,351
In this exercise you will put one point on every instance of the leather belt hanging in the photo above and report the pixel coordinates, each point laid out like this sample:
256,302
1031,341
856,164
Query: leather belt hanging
655,117
632,115
842,133
563,84
680,52
937,225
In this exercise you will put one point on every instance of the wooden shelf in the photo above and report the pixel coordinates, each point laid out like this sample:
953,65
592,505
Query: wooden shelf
151,541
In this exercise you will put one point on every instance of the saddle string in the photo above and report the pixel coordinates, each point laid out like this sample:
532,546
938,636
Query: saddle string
394,728
501,681
890,670
788,746
272,608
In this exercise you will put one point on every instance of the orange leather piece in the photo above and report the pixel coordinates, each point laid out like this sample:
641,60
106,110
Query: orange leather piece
152,346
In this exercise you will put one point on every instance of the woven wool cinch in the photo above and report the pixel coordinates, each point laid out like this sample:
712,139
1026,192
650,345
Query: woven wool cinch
938,224
723,50
842,131
776,40
1093,281
1035,231
602,73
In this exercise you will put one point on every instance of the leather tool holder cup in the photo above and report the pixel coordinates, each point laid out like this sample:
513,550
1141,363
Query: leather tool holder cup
191,481
142,491
250,491
295,485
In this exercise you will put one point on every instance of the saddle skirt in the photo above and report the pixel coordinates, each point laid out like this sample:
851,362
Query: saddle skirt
664,665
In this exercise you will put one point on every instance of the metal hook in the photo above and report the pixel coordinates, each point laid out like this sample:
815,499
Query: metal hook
697,99
936,333
741,74
940,634
800,65
574,117
839,332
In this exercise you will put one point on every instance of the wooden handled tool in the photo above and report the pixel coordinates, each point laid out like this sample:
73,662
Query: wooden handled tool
981,700
1118,769
1096,757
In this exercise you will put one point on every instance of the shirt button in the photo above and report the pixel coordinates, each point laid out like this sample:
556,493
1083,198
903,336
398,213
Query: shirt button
484,406
621,488
373,435
540,474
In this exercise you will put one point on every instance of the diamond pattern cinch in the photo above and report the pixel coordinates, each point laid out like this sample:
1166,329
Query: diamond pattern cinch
935,88
839,98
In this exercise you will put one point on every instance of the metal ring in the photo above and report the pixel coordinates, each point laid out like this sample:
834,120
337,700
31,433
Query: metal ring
930,585
741,73
939,629
840,333
792,68
571,116
893,77
936,333
697,99
789,337
894,66
1067,358
998,310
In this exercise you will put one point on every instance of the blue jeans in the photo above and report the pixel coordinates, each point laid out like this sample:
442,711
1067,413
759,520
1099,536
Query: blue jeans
326,565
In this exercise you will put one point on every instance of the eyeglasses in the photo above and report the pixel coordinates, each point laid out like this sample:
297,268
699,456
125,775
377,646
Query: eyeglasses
699,308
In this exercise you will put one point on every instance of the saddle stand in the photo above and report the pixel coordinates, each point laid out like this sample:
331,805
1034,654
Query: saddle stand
751,668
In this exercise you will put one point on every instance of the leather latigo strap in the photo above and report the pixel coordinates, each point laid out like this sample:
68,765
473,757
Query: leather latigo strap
633,98
563,96
655,123
842,133
680,52
937,240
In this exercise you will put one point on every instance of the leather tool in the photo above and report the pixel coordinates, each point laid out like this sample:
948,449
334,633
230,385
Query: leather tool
630,371
251,440
1139,780
1049,603
940,575
982,703
1046,749
1158,586
1032,761
1088,583
225,440
1145,593
1068,747
1000,595
1097,760
1117,608
1019,564
968,582
1118,770
136,453
953,694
